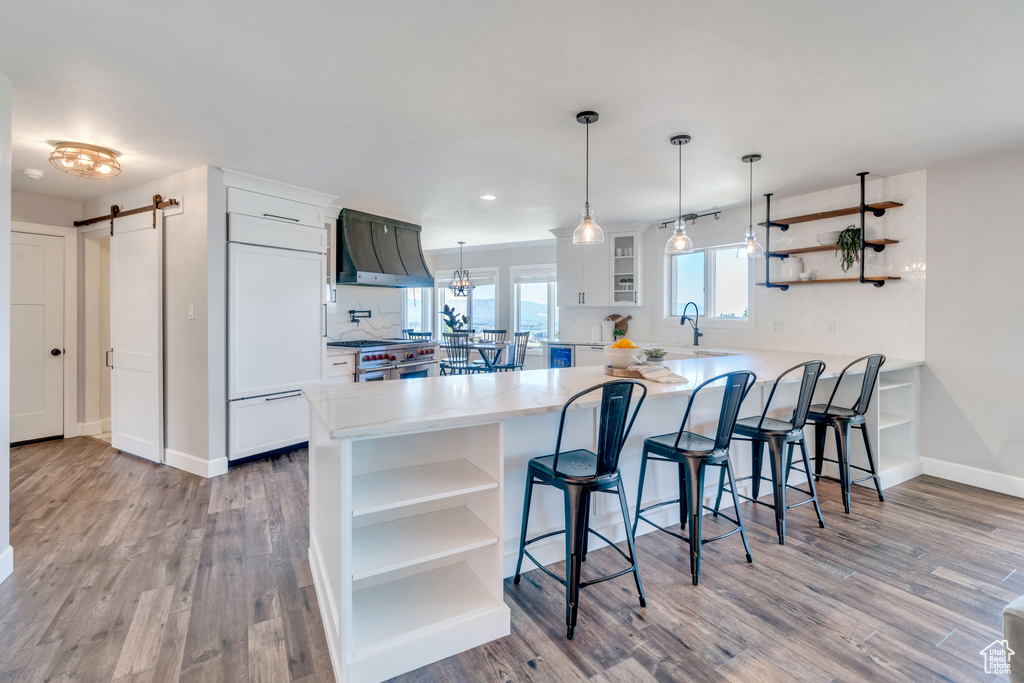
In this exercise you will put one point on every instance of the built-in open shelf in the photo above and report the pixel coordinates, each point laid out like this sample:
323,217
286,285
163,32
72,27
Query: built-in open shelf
894,383
876,209
405,542
886,420
397,488
877,245
833,280
393,611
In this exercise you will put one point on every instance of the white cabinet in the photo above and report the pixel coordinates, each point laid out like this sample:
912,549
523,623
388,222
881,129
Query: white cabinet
269,233
278,209
590,354
267,423
583,274
603,274
340,365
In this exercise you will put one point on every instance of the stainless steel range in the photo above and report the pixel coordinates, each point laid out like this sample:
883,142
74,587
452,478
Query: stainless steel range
378,360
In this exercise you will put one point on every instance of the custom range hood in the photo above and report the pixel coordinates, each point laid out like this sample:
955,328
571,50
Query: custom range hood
379,252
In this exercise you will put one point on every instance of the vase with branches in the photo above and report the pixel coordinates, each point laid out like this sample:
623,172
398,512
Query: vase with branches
452,320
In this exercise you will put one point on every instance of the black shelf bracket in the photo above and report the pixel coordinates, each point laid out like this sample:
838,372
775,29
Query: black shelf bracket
864,209
768,225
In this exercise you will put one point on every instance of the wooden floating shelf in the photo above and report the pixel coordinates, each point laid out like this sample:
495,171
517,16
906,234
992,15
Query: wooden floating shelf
834,280
880,206
830,247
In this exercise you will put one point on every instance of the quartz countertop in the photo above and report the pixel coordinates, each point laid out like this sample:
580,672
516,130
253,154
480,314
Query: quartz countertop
371,409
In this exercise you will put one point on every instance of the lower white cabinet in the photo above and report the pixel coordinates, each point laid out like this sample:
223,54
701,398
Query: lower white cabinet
340,366
266,423
590,354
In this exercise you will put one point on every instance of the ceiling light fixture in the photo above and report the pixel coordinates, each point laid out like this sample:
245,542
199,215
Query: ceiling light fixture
86,161
751,248
460,284
588,231
680,242
488,197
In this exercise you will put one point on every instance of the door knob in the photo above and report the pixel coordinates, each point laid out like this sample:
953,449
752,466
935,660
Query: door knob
55,352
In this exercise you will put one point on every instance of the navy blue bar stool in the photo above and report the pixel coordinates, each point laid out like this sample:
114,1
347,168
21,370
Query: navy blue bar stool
579,473
843,420
693,453
779,435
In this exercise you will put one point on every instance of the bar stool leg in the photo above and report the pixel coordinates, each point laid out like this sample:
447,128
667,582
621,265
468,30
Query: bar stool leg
810,482
575,532
683,511
586,527
820,429
775,446
871,462
842,428
630,542
694,492
640,490
721,490
739,515
526,519
757,455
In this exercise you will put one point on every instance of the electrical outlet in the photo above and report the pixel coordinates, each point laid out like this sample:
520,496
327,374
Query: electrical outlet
191,312
831,326
778,326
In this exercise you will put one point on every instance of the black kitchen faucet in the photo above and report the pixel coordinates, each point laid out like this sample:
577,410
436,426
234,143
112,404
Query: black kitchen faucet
697,334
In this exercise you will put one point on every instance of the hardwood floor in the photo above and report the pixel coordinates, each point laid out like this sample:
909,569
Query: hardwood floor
128,571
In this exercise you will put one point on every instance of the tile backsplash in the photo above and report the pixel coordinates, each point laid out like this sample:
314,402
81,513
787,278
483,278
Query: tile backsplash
384,304
865,319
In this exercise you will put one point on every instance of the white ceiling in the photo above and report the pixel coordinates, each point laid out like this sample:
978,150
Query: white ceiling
414,108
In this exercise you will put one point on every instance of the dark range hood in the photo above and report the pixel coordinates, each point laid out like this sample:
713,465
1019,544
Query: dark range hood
379,252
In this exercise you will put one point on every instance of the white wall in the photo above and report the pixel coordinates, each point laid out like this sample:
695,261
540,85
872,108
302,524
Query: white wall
36,208
889,319
443,262
191,422
6,552
972,402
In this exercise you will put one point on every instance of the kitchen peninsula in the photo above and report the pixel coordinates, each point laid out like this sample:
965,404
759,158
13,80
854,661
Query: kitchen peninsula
416,490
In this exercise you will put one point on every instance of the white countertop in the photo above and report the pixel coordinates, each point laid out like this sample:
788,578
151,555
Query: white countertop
384,408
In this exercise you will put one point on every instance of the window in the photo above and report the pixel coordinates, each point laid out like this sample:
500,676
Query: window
533,302
479,305
715,279
417,307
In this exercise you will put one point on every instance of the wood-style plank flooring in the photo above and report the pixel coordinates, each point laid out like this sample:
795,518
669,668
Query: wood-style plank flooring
130,571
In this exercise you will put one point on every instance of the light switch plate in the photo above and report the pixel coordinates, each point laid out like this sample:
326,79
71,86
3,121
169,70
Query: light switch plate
778,326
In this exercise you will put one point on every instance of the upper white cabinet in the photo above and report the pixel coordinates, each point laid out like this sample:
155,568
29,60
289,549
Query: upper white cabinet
603,274
274,208
269,233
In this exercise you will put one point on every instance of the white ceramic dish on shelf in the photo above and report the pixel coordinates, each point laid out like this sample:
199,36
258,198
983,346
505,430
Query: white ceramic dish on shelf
827,239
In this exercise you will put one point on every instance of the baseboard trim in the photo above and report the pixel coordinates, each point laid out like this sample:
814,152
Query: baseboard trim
975,476
6,563
198,466
90,428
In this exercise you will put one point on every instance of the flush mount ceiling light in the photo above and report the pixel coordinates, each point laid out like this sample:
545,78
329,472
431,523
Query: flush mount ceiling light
87,161
488,197
680,242
460,284
751,248
588,231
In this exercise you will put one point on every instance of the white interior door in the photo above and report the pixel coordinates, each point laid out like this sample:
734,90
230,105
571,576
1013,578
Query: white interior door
136,335
37,336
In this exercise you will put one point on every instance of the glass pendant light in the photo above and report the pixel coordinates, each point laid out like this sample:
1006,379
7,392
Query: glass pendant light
588,231
679,242
460,284
751,248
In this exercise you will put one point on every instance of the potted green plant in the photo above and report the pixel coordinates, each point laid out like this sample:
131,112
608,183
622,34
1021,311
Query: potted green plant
452,320
655,356
848,247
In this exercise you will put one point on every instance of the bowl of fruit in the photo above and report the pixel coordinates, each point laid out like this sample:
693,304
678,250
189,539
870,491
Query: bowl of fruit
623,353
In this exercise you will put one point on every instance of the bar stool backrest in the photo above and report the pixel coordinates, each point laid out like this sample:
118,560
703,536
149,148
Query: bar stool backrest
457,348
872,364
495,335
421,336
812,372
737,385
616,421
522,339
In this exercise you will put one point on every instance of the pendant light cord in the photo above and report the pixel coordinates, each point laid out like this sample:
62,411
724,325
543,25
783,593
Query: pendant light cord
750,204
680,182
588,166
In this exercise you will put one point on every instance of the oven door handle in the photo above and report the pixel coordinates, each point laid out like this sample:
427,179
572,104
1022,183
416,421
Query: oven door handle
414,364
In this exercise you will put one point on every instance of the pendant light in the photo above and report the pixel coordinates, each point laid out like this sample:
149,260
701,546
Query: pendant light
460,284
588,231
751,248
679,242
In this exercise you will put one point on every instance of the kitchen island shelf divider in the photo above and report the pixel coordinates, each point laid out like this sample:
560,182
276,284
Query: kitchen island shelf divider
877,209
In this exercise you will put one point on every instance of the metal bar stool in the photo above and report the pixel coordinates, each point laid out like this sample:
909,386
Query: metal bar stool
579,473
842,420
693,453
779,434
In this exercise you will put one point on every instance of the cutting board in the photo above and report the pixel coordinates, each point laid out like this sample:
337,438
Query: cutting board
620,322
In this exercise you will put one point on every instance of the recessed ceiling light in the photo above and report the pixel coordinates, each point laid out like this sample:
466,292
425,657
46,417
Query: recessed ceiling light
488,197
